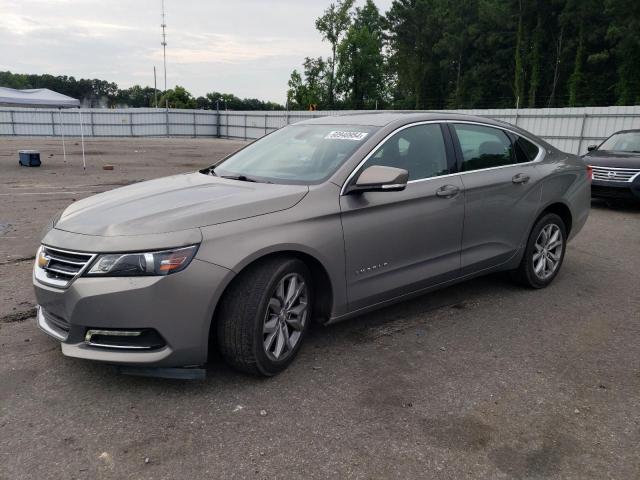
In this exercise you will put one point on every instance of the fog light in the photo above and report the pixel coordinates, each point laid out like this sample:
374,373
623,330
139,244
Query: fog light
145,339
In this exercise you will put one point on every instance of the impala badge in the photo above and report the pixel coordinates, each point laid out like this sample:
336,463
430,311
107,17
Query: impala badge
372,268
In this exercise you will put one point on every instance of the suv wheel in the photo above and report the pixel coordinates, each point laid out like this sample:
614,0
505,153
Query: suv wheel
265,315
544,253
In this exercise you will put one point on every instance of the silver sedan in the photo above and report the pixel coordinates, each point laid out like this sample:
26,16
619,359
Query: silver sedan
317,222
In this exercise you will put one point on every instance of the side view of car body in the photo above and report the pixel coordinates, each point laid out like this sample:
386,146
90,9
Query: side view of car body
322,220
616,166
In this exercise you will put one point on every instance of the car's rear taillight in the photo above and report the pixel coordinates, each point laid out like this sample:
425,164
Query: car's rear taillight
589,173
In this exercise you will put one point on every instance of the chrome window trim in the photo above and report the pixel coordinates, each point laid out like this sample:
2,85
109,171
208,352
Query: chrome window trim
539,157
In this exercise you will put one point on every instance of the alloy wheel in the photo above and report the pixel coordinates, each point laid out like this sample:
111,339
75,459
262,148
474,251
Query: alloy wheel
285,317
548,251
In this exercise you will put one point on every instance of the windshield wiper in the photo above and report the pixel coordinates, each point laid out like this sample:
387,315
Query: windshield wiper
243,178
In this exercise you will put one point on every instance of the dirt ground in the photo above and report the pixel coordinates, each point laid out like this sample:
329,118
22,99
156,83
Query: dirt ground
481,380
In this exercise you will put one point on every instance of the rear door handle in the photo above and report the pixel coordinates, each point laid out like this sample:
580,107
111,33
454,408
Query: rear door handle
447,191
520,178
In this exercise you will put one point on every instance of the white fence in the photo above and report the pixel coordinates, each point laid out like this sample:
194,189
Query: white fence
569,129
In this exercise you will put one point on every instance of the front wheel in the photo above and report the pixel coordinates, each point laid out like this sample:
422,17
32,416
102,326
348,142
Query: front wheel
544,252
264,316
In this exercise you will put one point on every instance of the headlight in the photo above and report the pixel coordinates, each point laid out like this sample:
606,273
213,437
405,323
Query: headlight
142,264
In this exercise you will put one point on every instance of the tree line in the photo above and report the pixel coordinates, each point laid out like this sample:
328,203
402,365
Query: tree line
94,93
436,54
433,54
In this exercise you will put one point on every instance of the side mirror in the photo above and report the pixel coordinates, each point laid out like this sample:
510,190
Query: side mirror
591,148
380,179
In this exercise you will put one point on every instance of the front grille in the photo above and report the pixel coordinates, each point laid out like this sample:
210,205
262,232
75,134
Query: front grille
611,174
59,267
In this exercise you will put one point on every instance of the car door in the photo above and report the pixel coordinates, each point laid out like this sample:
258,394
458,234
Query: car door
397,242
502,183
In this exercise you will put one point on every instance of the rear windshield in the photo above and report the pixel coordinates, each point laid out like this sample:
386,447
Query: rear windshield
296,154
622,142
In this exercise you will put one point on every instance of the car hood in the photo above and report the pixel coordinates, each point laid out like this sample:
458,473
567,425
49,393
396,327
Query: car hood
601,158
176,203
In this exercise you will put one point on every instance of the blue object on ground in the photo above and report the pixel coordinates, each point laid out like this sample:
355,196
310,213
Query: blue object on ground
29,158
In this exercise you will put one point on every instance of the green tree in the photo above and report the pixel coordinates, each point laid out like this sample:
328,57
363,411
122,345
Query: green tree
332,25
178,97
414,29
309,88
519,69
136,97
296,94
360,61
459,31
623,36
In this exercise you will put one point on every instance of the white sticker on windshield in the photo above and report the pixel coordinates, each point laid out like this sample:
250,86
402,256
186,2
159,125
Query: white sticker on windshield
340,135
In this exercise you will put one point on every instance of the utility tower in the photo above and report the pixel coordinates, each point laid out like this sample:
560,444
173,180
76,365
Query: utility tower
164,59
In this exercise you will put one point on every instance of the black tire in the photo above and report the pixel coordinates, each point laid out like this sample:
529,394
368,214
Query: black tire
242,312
526,274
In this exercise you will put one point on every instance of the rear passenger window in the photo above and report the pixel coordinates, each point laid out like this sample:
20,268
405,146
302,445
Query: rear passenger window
525,150
419,150
483,147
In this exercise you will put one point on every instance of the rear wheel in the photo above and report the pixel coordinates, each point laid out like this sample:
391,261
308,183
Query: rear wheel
264,316
544,252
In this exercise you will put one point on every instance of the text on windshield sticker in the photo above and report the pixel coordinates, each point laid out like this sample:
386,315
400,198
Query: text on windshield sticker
338,135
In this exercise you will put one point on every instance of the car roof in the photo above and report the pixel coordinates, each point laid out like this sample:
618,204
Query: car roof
631,130
382,118
396,119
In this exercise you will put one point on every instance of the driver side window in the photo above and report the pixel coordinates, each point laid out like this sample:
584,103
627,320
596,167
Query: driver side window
420,150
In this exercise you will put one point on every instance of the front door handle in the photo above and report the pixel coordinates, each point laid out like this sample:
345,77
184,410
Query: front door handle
520,178
447,191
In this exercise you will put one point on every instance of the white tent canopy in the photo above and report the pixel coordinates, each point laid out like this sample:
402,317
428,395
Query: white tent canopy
43,98
37,98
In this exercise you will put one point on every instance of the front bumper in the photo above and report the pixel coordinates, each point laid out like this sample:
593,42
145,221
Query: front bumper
178,307
616,190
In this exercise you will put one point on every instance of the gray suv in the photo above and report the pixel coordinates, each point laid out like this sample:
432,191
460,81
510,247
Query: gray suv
319,221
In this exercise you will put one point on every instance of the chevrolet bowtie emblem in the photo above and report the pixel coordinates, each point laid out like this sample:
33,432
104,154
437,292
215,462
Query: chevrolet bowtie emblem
43,260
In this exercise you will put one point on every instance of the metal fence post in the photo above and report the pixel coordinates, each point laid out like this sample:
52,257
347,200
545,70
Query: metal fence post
584,120
194,125
245,126
91,122
53,126
131,124
265,123
13,125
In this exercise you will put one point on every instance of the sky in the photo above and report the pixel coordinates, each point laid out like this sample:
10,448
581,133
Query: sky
244,47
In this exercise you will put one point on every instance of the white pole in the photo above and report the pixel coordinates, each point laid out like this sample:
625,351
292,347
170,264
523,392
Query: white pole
164,61
84,163
64,149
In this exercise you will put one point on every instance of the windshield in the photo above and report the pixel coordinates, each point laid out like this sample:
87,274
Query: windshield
295,154
622,142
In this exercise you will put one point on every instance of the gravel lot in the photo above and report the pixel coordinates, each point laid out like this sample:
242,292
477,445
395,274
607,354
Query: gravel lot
481,380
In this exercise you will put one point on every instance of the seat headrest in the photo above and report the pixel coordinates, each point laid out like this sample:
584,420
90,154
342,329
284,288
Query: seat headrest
492,148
